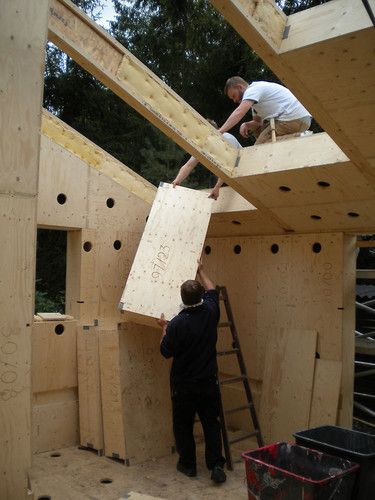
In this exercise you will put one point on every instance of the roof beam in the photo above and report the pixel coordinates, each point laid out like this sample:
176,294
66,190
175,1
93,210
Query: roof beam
100,54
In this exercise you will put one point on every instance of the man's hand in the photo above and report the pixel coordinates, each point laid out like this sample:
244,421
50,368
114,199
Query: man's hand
214,193
244,131
162,322
175,183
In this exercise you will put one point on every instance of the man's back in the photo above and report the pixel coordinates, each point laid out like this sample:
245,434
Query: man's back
191,341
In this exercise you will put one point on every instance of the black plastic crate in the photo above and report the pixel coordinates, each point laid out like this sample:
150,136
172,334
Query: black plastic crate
289,472
350,445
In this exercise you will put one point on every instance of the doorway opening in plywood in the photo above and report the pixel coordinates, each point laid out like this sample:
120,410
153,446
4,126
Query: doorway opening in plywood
50,271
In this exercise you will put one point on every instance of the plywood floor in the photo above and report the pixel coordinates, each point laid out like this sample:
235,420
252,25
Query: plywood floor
77,475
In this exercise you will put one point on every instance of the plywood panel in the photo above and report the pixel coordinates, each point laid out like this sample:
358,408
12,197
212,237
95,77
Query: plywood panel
90,405
22,41
96,158
111,391
111,205
63,185
55,425
287,384
135,394
54,355
326,391
82,279
146,394
167,254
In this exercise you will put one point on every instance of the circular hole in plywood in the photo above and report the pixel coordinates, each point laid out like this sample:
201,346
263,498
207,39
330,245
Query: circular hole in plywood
117,244
106,480
353,214
274,248
237,249
61,198
110,202
316,247
59,329
44,497
284,188
207,249
323,184
87,246
315,217
55,454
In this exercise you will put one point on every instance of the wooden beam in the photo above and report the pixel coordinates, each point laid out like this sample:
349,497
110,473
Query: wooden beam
23,27
324,22
96,51
95,157
263,21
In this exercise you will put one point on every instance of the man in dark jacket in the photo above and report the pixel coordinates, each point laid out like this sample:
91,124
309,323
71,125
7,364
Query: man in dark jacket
190,338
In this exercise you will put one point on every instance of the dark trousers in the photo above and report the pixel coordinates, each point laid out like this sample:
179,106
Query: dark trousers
203,399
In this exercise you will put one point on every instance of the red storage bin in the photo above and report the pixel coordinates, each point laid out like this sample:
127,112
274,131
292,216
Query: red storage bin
289,472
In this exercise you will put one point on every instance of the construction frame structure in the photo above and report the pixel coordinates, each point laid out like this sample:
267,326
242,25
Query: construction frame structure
282,236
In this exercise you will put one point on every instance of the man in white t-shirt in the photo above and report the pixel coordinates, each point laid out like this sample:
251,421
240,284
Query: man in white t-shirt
267,100
192,162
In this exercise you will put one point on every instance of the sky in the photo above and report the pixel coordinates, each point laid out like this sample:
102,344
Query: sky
107,14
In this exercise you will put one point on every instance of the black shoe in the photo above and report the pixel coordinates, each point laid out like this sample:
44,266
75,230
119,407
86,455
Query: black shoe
218,475
188,471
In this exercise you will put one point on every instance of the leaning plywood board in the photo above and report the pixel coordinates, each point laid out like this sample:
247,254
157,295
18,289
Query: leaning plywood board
135,394
287,383
326,391
90,414
167,254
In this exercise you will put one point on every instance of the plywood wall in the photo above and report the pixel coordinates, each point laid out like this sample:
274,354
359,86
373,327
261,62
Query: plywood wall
23,27
295,282
54,385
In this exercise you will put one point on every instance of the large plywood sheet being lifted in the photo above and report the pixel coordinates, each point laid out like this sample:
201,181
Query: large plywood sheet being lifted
167,254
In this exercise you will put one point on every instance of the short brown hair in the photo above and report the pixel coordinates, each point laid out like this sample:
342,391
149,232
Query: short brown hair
191,292
234,80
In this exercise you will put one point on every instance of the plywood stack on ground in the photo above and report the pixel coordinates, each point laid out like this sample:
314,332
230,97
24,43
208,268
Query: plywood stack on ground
54,385
135,394
90,402
22,40
293,282
167,254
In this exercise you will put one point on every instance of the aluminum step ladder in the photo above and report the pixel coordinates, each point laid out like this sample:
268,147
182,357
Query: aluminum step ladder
236,350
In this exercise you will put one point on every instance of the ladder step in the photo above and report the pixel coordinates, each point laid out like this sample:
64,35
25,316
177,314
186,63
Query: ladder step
242,438
232,380
239,408
224,324
224,353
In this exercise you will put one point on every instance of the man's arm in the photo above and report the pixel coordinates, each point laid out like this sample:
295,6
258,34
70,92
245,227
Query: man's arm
206,282
215,191
185,170
236,116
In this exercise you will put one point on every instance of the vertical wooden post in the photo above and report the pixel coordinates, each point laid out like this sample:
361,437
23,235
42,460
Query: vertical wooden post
23,30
